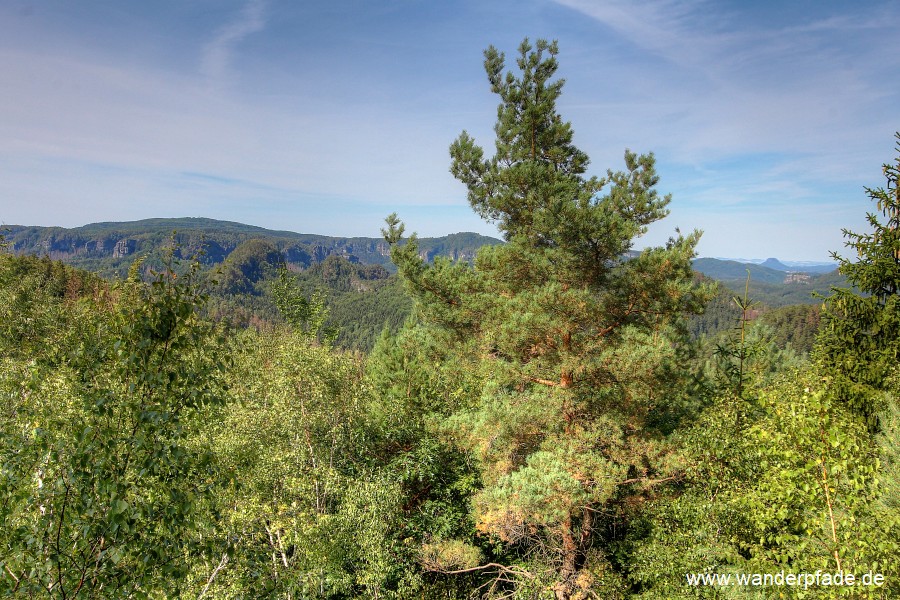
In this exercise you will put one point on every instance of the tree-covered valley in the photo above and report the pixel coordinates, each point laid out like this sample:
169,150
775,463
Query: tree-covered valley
238,264
200,409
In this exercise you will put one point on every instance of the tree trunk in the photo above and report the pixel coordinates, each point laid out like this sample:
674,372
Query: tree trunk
563,588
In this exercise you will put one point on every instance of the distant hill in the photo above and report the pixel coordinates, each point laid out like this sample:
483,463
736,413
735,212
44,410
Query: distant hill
108,248
240,262
768,270
774,263
793,266
355,271
730,270
770,286
810,267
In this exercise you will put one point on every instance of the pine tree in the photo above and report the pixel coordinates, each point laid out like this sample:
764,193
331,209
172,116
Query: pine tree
860,341
572,332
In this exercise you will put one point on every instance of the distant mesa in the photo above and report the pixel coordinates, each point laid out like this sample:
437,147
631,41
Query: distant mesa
774,263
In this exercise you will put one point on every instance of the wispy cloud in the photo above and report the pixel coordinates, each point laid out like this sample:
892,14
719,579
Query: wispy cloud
719,41
658,26
217,53
719,83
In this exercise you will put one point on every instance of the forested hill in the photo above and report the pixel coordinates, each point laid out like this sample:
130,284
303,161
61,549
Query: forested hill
771,286
110,248
771,271
352,273
727,270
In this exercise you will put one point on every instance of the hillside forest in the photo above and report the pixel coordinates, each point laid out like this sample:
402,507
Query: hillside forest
227,412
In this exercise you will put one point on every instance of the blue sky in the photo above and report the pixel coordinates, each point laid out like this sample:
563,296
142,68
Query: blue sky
767,118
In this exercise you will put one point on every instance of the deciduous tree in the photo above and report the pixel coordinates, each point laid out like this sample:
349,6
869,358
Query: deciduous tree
101,491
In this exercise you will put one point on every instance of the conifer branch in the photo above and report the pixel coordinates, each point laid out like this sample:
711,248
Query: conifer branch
501,570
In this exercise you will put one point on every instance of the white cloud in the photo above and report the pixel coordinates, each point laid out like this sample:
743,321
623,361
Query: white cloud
714,84
217,54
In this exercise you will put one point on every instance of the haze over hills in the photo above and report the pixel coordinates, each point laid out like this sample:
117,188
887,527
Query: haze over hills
771,286
770,271
803,266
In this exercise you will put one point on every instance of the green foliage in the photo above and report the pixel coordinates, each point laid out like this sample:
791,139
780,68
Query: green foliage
749,354
797,325
786,480
860,344
888,441
304,516
361,300
306,315
357,301
794,327
416,384
101,491
361,316
35,294
719,315
250,262
733,356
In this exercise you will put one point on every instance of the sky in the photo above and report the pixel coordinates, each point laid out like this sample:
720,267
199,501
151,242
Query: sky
768,119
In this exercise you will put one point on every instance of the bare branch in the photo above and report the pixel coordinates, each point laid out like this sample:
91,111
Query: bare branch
501,569
212,576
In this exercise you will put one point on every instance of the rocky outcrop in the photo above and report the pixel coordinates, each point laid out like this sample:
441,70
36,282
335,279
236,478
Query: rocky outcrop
319,252
465,255
427,255
212,242
297,255
797,278
123,248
